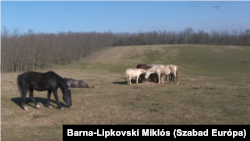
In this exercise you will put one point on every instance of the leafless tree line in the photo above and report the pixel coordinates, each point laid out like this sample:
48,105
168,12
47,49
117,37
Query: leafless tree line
188,36
31,51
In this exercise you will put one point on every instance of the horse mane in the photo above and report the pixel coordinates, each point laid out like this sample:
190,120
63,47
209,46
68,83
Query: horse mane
152,68
146,67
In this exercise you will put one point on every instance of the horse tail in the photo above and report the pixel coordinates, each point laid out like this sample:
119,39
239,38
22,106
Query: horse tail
177,75
18,85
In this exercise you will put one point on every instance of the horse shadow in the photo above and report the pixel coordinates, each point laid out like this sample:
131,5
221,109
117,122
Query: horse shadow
17,101
124,82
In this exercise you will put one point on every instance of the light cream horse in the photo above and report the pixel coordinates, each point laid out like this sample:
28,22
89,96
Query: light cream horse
164,70
134,73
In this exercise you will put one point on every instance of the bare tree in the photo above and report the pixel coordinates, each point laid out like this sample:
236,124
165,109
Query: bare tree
31,51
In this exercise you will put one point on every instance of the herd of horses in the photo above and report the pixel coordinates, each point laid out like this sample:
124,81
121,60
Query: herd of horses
50,81
153,73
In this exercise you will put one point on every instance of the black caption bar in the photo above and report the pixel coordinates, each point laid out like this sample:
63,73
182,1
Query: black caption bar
79,132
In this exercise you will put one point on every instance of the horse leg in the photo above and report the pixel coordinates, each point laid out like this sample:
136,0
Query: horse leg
127,80
23,96
166,78
159,78
137,79
48,100
173,77
162,80
32,98
57,99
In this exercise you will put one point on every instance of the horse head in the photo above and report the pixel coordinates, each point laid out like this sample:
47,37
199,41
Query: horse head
149,71
147,74
67,98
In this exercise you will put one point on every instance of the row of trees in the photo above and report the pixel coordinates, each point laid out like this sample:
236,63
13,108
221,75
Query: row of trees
31,51
188,36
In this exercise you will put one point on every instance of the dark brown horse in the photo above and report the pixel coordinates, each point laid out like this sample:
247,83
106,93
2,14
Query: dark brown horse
49,81
140,66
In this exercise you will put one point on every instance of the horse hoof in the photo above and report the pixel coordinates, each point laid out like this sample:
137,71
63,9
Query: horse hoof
37,106
61,109
49,107
25,108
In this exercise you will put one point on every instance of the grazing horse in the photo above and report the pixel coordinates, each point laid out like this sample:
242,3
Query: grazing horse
164,70
133,73
153,77
50,81
76,83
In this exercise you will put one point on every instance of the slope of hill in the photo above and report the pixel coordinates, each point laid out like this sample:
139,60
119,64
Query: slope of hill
214,89
190,58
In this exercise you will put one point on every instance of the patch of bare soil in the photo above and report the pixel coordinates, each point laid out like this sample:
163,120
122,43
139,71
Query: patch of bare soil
235,47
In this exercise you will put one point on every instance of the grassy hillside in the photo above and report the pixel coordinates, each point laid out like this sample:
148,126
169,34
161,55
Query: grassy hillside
214,89
190,58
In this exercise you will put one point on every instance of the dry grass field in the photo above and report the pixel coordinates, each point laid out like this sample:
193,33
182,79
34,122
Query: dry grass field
214,88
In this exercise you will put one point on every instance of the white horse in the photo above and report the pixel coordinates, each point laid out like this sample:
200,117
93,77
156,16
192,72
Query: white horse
133,73
164,70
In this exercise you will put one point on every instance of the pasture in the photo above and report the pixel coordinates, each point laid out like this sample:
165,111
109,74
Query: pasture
214,88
